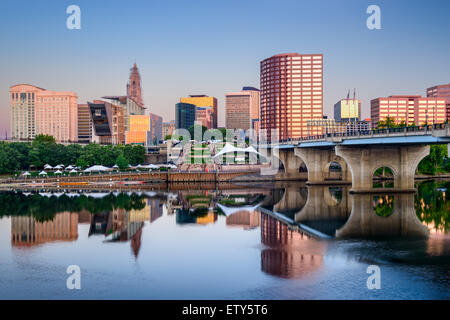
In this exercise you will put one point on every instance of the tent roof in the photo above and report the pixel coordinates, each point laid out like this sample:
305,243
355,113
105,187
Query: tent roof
230,148
232,210
97,168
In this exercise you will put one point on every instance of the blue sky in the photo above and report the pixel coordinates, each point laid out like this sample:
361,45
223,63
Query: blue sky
213,47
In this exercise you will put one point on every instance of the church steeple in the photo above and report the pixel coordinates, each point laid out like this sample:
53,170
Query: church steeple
134,90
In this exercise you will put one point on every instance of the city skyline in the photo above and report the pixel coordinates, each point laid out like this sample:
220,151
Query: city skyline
374,63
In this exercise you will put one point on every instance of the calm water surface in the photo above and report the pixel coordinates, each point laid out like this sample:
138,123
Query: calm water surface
235,242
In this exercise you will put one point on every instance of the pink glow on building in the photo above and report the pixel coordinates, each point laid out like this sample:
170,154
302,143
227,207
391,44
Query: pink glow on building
412,109
38,111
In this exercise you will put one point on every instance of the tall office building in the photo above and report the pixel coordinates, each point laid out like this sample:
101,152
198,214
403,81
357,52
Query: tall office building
84,124
134,90
441,91
291,94
184,115
204,102
38,111
242,108
347,110
412,109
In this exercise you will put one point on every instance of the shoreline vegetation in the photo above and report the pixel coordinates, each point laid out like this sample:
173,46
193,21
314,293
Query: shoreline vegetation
16,157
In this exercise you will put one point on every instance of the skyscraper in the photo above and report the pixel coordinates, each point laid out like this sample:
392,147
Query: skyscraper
134,90
184,115
291,93
242,108
38,111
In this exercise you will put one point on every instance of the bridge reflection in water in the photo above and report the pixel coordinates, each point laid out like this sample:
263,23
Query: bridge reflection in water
296,226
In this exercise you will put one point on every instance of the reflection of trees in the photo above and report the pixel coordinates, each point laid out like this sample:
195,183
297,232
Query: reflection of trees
383,205
44,208
432,205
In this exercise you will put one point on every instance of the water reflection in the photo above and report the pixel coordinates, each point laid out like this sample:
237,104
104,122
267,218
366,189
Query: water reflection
288,253
300,226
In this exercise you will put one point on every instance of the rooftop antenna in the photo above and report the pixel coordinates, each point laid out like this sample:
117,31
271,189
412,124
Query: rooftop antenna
354,94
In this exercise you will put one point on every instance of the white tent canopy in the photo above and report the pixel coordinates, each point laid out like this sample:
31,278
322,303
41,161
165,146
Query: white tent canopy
58,167
47,166
42,173
97,169
73,171
26,173
230,211
230,148
69,167
170,166
150,166
58,172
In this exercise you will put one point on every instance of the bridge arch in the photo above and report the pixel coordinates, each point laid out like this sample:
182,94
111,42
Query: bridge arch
318,161
383,177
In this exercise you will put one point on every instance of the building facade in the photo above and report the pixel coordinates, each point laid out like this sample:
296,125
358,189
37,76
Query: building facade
38,111
84,124
184,115
130,106
411,110
145,130
206,102
155,133
204,117
291,93
347,110
168,128
242,108
441,91
108,122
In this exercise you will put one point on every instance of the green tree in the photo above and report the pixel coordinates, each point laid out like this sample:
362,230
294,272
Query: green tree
122,162
44,138
434,161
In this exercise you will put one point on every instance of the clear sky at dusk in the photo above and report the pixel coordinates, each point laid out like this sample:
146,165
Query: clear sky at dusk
214,47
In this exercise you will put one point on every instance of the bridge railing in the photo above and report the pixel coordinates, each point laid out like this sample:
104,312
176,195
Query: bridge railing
370,132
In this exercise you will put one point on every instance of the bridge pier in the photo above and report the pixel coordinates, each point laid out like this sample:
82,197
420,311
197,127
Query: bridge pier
365,160
289,162
402,221
318,161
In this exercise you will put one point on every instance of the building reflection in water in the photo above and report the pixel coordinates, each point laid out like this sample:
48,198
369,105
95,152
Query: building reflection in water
27,231
244,219
289,254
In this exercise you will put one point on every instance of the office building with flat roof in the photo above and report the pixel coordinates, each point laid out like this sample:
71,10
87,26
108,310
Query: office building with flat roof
408,109
242,108
36,111
291,94
184,115
204,102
